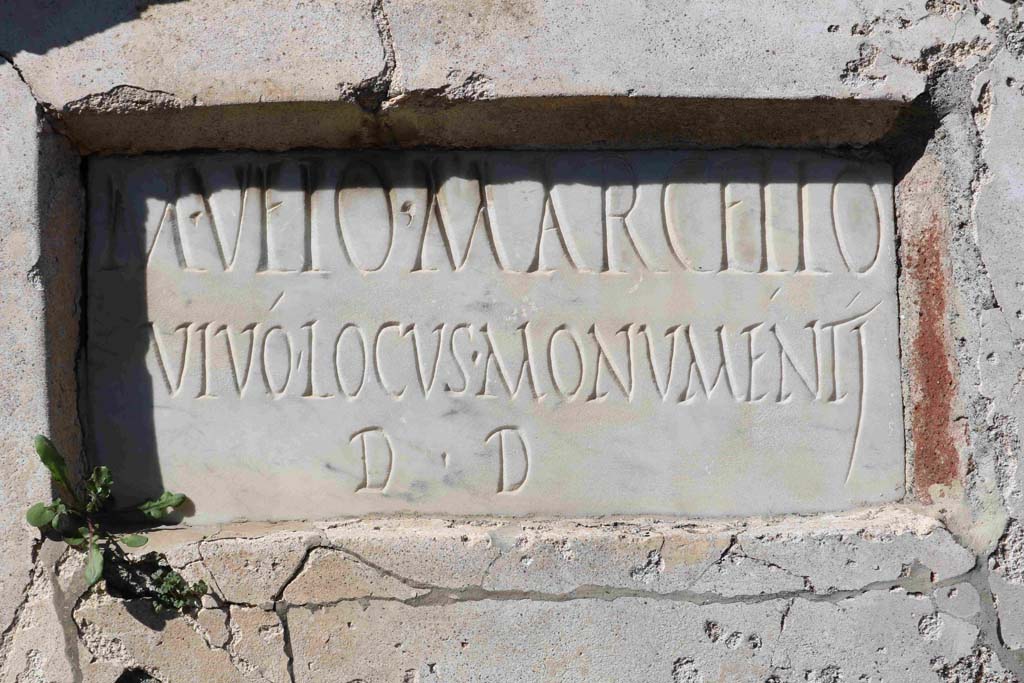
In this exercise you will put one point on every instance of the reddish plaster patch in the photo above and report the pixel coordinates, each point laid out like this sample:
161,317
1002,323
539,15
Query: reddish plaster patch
933,384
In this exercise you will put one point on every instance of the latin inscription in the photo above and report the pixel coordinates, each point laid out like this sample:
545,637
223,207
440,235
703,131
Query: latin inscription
511,333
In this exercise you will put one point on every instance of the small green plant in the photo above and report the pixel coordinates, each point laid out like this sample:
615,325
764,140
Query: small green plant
83,518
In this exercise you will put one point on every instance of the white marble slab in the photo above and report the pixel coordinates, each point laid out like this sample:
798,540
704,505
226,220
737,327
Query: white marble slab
571,333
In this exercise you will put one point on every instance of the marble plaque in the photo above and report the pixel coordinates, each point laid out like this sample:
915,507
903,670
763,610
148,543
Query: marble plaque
309,335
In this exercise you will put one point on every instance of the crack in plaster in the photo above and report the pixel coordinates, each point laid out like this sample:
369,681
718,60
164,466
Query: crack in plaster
7,636
46,112
240,663
740,552
282,616
202,561
914,581
371,93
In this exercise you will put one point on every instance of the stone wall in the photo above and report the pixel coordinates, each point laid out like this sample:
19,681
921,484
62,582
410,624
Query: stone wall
929,588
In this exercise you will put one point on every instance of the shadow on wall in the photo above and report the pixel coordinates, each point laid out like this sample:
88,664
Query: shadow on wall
117,395
59,213
36,26
434,117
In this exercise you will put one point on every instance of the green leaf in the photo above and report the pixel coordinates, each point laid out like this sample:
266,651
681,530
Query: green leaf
97,488
101,475
53,460
94,564
134,540
158,507
61,517
76,538
39,515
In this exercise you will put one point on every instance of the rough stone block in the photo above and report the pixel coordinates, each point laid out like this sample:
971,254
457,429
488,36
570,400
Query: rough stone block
175,75
630,639
40,237
414,599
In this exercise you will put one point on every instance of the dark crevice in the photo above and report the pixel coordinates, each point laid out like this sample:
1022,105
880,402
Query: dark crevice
915,127
371,93
80,374
282,615
44,110
136,675
295,574
914,582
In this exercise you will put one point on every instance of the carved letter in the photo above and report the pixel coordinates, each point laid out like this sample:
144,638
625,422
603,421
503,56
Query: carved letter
362,360
268,375
557,380
616,212
672,334
377,364
377,468
513,466
525,368
288,230
752,361
692,208
240,374
702,374
549,223
425,384
455,190
856,221
463,370
172,380
204,351
366,221
624,380
310,391
167,218
786,358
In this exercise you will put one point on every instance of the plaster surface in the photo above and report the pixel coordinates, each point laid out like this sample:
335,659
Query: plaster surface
572,333
40,218
875,596
203,74
931,590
